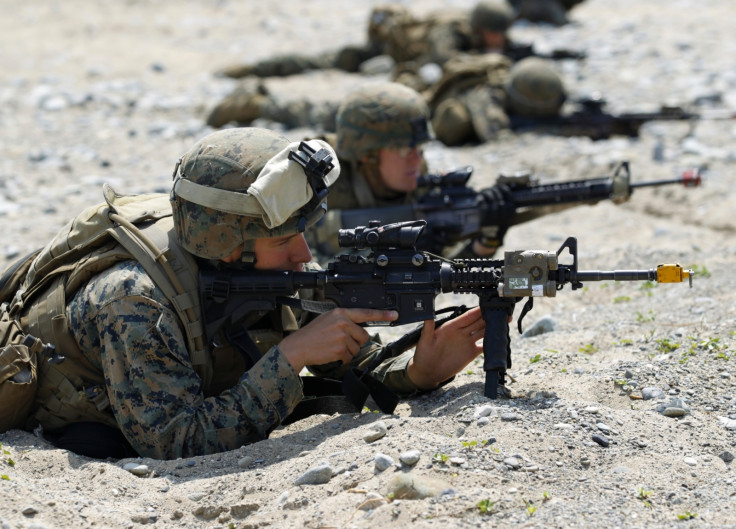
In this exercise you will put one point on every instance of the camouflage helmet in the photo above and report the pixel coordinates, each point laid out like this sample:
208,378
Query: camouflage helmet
237,185
383,21
492,15
381,116
534,88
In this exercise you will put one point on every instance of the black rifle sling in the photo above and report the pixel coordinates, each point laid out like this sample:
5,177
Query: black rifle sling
239,338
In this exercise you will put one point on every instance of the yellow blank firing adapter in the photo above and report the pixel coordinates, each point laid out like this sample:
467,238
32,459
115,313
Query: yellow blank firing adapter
673,273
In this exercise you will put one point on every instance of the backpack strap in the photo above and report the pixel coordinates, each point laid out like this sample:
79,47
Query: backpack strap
161,258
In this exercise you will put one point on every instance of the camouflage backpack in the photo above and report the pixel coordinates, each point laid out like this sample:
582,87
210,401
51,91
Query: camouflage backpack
35,377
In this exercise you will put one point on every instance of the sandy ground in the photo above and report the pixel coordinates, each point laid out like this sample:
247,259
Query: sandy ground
96,91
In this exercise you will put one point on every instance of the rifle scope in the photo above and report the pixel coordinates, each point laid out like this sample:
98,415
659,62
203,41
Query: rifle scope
402,235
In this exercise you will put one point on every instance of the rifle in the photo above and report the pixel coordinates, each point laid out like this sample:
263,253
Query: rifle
397,276
457,213
518,51
590,119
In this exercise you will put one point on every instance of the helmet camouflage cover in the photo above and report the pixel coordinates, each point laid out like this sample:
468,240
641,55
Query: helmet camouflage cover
492,15
237,185
381,116
534,88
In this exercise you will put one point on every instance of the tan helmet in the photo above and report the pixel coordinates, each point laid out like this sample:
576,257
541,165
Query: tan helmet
534,88
492,15
237,185
381,116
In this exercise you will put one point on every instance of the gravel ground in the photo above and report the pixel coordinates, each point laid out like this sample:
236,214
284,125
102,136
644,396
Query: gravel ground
624,412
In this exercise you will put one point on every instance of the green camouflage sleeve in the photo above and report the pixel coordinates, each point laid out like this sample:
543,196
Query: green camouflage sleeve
127,328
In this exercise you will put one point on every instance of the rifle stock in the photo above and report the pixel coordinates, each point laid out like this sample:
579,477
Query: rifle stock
397,276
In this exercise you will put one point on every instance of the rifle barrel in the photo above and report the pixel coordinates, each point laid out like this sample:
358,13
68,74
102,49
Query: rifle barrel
616,275
689,178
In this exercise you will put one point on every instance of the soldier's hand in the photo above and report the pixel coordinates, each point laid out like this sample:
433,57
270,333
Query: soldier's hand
334,335
441,353
498,206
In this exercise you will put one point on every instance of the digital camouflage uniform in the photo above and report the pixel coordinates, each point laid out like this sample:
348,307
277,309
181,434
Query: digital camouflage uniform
132,343
128,330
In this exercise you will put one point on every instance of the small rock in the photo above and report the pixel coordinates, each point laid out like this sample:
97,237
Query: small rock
382,462
410,457
541,326
652,393
315,475
601,440
727,457
410,486
245,462
376,430
136,469
691,461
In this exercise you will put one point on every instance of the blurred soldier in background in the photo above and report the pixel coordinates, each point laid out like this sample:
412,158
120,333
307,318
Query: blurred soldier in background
477,95
380,133
419,49
471,102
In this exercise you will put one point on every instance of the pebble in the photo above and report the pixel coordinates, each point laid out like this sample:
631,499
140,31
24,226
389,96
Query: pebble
541,326
136,469
601,440
375,431
415,486
483,411
652,393
383,462
318,475
245,462
410,457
